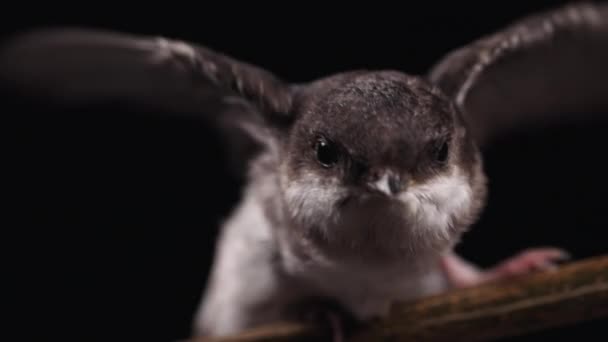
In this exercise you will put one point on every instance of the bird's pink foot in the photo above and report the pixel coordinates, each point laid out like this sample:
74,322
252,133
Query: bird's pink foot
462,274
528,261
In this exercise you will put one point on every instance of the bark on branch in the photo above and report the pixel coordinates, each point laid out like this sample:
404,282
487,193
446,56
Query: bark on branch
573,293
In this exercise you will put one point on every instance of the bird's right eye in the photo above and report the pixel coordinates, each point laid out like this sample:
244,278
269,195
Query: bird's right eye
327,152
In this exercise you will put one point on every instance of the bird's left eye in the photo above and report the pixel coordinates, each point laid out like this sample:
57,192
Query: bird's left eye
327,152
442,152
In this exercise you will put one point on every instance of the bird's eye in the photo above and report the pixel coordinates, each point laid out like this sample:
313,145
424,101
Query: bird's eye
441,152
327,152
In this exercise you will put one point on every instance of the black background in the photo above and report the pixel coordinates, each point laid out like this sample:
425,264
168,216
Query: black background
111,213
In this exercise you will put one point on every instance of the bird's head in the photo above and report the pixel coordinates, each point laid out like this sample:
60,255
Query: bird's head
379,165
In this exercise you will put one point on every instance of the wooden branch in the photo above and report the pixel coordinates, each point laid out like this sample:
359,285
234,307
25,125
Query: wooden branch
573,293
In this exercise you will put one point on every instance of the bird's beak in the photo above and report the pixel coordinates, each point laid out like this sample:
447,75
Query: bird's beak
388,183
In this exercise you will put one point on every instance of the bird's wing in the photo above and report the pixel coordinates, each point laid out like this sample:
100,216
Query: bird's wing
79,66
546,66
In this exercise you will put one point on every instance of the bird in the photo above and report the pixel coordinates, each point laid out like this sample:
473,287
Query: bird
362,182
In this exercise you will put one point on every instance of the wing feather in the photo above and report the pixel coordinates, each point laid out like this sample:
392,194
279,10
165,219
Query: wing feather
78,65
548,66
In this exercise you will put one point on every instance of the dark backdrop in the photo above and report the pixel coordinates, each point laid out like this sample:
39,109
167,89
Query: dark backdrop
112,212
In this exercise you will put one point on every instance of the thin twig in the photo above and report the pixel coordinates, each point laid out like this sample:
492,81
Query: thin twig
573,293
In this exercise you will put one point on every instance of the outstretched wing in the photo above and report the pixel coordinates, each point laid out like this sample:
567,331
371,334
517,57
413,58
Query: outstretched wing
548,65
78,66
